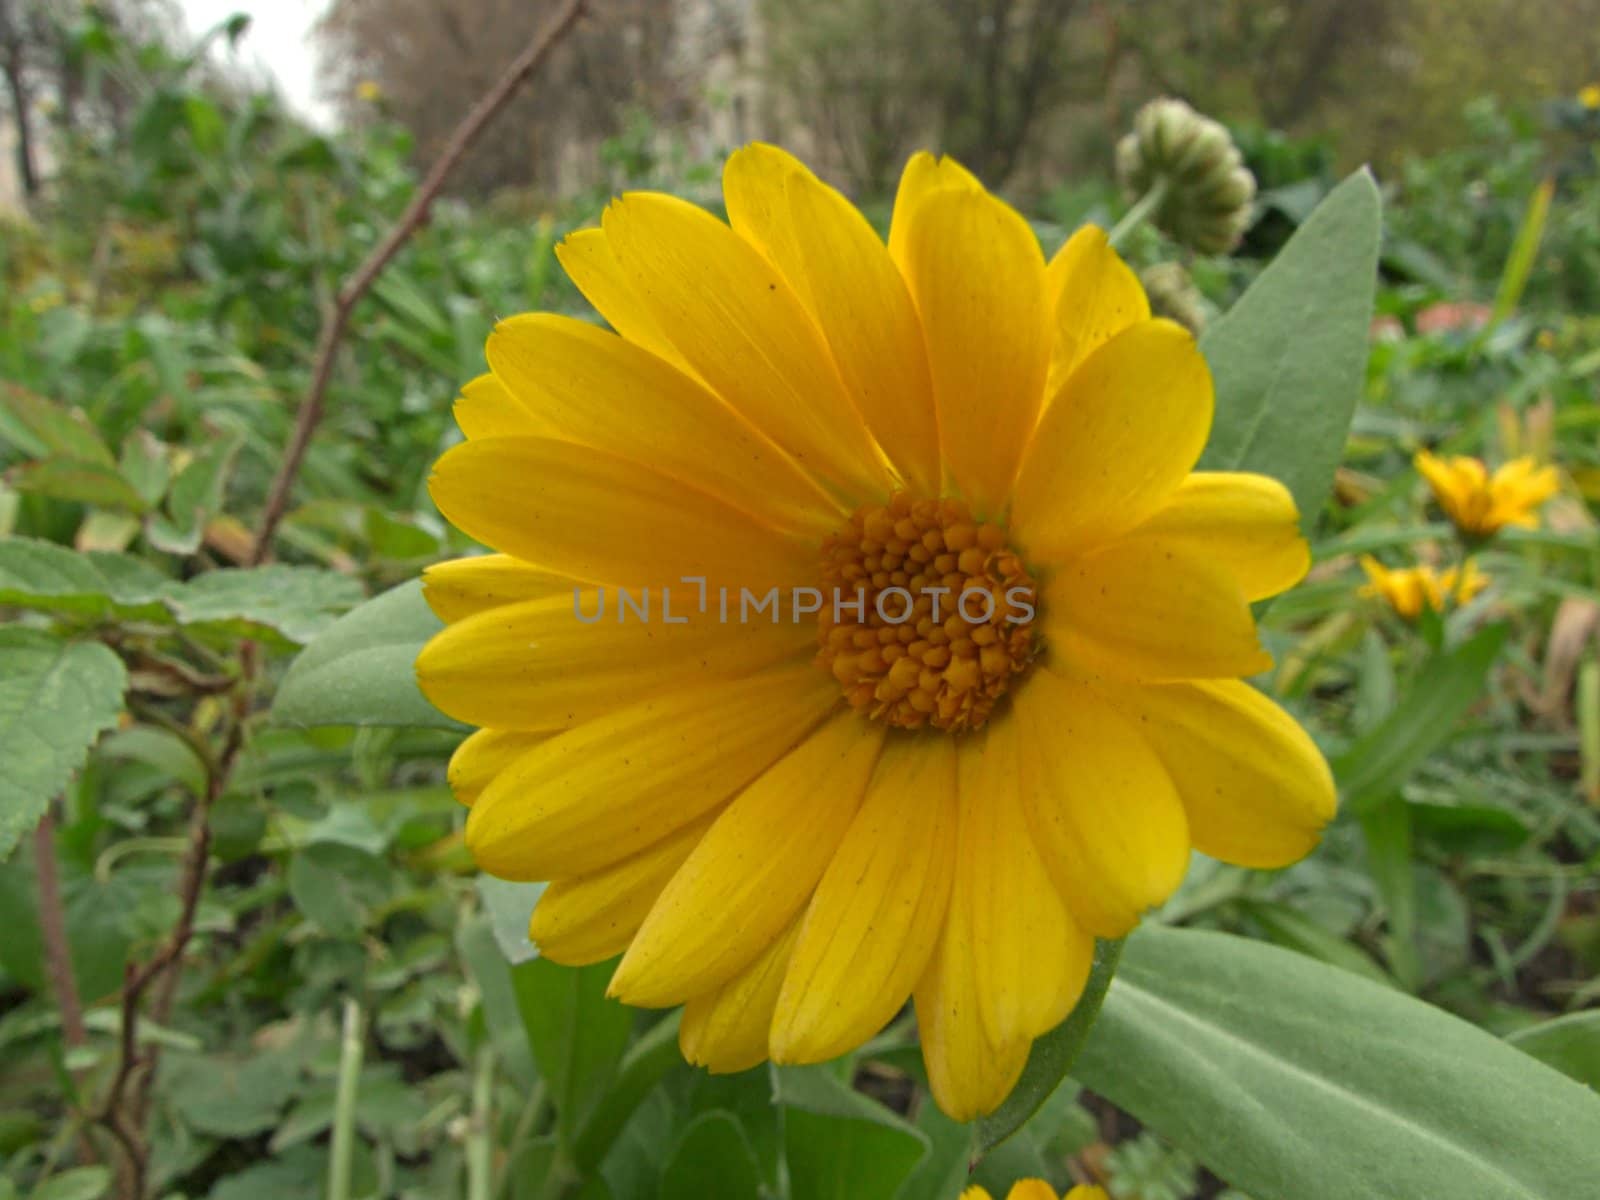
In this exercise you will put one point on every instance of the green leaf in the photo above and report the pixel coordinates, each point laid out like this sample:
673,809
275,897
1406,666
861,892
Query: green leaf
291,604
1289,359
75,480
231,1097
1446,687
502,1019
1386,826
642,1067
711,1161
1292,1080
337,886
196,495
838,1144
41,428
144,465
1292,928
1052,1055
1570,1044
362,670
577,1035
1524,251
51,578
56,698
510,906
101,919
80,1183
285,605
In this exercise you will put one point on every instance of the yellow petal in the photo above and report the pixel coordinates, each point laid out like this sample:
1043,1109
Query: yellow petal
725,1030
877,912
923,176
592,387
1150,609
1255,787
739,324
486,408
967,1073
535,666
976,1192
1085,1191
592,917
752,873
484,755
1094,295
842,274
616,785
1032,959
591,263
582,512
1115,442
1104,813
977,277
464,587
1031,1189
1246,522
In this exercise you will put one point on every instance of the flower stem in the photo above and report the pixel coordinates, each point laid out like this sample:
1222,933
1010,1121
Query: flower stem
1139,213
344,1104
480,1143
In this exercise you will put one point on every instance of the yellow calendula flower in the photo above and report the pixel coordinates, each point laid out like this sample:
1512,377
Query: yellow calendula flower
1408,590
1037,1189
858,628
1480,504
1589,96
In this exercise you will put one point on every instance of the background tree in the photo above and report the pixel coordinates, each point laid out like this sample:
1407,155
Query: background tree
428,61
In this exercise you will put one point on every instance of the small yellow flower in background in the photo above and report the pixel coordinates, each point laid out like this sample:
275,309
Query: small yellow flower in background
1409,590
1480,504
1037,1189
369,91
795,818
1589,96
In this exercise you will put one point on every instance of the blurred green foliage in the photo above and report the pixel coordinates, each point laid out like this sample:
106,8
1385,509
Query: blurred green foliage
156,330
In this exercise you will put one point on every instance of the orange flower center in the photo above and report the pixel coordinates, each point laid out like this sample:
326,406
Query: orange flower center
927,615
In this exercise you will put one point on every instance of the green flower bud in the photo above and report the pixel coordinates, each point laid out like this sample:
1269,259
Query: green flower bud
1208,194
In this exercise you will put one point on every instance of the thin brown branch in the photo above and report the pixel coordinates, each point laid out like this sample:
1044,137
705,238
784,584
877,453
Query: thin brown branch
53,932
333,326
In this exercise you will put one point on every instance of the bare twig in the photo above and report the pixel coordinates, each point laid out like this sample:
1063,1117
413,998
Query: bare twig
53,932
124,1108
333,326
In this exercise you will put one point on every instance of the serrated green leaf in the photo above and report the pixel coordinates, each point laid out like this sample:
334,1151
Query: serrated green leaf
1294,1080
74,479
295,602
195,496
362,670
51,578
1052,1055
42,428
275,603
56,698
1289,359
